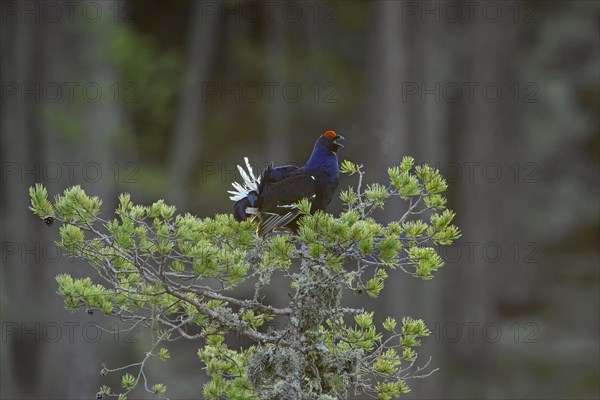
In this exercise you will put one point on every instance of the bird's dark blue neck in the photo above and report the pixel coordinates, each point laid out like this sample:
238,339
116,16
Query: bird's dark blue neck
323,161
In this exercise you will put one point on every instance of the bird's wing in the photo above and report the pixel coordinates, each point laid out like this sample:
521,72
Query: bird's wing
283,194
273,174
277,200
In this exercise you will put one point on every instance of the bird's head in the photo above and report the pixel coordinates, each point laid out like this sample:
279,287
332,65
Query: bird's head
331,141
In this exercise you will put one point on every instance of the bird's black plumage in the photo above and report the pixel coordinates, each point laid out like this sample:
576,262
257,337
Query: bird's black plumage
271,197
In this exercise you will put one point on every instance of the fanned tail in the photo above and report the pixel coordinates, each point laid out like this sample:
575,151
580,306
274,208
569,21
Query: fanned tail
250,183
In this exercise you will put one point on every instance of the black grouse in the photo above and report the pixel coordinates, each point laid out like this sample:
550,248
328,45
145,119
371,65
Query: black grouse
271,197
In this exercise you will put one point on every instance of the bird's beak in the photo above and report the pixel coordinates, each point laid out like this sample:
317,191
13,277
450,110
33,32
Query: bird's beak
339,137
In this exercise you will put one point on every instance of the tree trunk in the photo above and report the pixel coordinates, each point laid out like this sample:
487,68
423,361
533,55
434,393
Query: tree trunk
186,142
19,360
277,111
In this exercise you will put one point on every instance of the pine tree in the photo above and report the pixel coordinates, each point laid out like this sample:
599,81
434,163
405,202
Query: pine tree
177,273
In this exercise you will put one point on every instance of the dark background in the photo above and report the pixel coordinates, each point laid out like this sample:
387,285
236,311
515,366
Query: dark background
162,99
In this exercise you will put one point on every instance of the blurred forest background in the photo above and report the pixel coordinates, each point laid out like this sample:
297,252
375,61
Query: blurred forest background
162,98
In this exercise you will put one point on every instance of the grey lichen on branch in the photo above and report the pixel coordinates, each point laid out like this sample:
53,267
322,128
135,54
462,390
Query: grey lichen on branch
175,274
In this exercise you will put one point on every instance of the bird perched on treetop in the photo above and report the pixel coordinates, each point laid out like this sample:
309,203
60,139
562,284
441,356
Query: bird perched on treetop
271,197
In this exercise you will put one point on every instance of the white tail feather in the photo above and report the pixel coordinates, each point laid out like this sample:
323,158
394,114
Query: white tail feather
249,183
250,171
